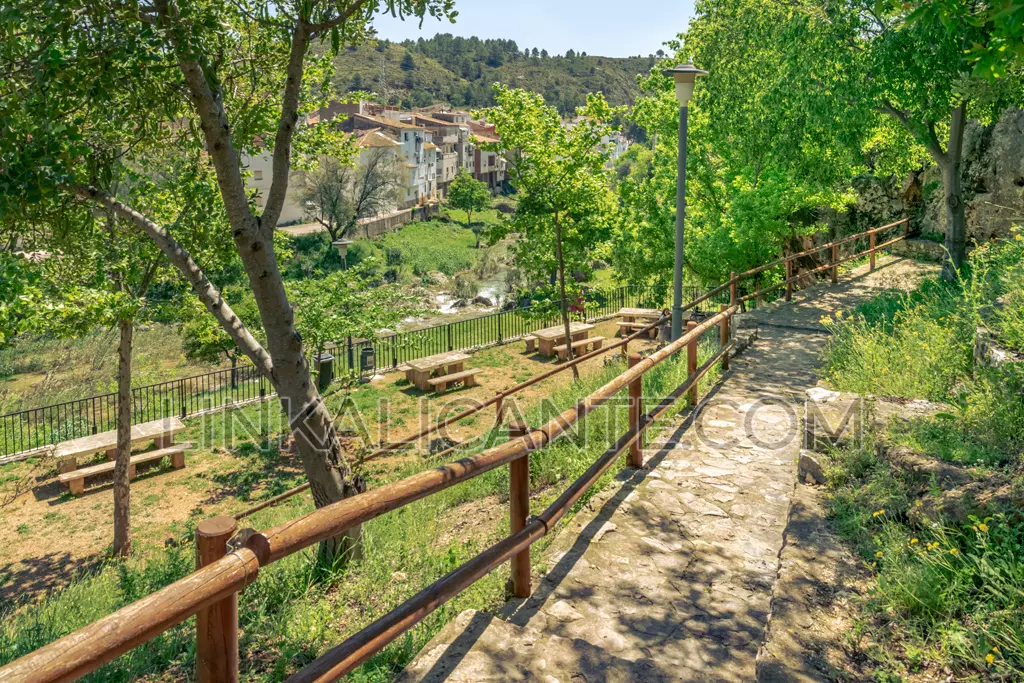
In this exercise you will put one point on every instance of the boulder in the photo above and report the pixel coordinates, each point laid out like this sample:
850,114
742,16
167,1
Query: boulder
809,469
438,278
482,301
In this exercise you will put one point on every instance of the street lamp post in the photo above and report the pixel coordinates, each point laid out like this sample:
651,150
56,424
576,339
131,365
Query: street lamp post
684,75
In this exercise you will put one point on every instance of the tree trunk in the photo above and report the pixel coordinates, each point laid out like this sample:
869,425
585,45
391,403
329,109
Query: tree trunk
956,222
565,304
122,463
329,474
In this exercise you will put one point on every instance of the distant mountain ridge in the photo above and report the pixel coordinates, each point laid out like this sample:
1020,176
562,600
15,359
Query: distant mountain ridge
460,71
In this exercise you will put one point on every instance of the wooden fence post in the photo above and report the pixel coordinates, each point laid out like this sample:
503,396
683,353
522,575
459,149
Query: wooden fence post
519,510
217,625
789,276
835,263
691,363
733,289
636,391
872,240
499,410
723,328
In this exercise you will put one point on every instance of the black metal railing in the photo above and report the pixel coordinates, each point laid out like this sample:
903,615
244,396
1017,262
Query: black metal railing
33,428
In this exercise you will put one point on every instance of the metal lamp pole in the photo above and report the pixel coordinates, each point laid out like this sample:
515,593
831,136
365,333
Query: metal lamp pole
684,75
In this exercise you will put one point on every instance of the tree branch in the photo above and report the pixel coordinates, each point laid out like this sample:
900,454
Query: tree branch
182,260
214,121
927,136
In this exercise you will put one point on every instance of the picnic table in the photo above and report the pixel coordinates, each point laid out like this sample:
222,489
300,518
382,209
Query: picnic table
160,432
419,371
638,318
550,337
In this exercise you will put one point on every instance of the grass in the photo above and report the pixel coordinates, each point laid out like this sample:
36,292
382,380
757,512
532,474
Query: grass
37,371
296,609
947,588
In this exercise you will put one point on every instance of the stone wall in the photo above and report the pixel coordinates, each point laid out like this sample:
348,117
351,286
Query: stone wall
993,185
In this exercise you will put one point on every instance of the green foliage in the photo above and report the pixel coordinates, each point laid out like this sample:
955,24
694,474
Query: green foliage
347,303
461,70
18,291
566,208
468,194
999,25
773,144
433,245
202,337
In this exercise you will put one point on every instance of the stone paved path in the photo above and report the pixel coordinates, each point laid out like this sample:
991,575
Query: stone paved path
670,577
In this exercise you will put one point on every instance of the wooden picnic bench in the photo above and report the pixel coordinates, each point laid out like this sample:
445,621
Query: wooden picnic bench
449,367
160,432
631,319
593,342
75,479
550,337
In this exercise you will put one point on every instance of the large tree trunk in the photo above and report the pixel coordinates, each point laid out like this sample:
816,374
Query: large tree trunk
565,304
122,463
956,222
329,474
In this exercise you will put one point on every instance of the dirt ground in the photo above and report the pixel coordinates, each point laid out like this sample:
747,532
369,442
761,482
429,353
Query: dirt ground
47,535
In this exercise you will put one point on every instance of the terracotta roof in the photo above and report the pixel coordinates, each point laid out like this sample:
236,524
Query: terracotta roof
429,145
483,137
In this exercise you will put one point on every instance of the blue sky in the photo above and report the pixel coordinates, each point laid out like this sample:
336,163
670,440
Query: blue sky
597,27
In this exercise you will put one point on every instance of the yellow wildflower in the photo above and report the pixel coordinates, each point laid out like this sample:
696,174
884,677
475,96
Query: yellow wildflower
989,658
917,503
983,527
913,541
878,554
878,512
953,551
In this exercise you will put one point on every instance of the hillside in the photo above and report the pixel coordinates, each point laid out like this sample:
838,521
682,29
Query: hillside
460,71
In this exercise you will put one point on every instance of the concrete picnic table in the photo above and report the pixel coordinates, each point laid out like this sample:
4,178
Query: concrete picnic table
550,337
420,370
161,432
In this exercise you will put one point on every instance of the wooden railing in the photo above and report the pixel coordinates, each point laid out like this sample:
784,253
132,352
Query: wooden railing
211,592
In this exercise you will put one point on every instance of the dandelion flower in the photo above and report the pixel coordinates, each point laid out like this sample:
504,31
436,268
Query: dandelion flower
917,503
953,551
878,554
983,528
913,541
989,658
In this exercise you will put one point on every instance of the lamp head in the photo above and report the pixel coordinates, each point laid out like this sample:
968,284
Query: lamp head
685,75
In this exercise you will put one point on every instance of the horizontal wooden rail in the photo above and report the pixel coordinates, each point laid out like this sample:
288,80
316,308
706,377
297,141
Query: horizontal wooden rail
359,647
89,648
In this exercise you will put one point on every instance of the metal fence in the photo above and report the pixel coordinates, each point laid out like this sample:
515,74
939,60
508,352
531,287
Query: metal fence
30,429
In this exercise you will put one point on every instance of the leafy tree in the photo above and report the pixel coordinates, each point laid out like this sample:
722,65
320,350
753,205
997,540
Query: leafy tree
408,63
772,140
338,194
566,206
181,76
468,194
1000,24
347,303
204,340
919,73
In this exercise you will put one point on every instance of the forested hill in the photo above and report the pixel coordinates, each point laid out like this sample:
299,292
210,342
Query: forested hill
460,71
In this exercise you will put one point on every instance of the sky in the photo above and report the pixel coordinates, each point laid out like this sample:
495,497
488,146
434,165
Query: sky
597,27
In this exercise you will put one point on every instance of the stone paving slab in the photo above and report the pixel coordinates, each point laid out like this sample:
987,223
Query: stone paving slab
670,576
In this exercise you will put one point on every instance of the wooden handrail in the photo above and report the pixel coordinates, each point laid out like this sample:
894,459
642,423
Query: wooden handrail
87,649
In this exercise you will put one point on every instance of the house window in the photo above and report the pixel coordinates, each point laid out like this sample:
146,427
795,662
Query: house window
257,175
